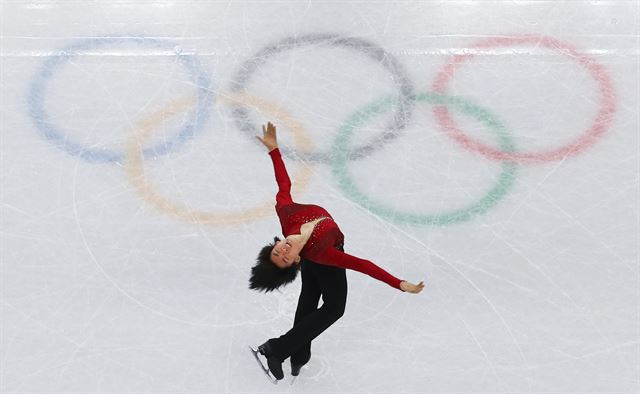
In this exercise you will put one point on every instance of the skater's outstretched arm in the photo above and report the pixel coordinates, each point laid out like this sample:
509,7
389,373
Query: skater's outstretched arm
332,256
270,140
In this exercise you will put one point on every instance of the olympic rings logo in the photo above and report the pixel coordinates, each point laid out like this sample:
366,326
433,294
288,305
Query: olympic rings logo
403,103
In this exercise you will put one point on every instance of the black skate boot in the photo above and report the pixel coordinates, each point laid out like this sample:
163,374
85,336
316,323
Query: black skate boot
275,365
296,367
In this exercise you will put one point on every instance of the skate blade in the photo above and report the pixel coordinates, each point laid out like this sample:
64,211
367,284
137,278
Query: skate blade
271,378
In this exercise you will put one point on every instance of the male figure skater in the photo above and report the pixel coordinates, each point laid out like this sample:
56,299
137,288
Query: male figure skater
313,244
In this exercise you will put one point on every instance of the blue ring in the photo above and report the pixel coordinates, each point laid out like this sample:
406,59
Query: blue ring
38,90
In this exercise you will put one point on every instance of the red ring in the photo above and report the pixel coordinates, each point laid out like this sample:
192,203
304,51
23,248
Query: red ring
597,129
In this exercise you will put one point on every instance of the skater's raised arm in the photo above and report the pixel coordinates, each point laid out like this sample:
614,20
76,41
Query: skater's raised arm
332,256
270,140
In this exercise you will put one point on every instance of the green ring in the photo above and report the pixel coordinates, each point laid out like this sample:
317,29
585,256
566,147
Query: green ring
340,155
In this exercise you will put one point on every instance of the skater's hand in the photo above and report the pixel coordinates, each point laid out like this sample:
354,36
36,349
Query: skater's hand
411,288
269,138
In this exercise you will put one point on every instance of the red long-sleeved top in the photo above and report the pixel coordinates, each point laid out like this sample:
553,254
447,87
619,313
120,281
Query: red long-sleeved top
326,236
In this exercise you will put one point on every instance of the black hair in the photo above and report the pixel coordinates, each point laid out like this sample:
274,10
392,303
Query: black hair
266,276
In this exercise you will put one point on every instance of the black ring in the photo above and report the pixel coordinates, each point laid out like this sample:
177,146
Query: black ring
370,49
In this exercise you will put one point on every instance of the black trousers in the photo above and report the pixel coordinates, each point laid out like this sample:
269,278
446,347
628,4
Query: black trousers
310,321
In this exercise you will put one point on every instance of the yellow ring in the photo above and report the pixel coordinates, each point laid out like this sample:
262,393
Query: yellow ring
134,162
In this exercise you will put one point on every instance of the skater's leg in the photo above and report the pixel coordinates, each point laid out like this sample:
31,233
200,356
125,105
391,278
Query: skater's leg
311,296
332,282
307,303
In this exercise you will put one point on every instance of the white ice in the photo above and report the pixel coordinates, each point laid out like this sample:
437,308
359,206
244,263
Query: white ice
104,292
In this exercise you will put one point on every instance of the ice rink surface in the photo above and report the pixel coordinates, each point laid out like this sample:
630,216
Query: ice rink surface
490,148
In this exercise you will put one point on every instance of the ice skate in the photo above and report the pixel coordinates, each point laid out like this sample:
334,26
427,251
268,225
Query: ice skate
295,371
273,368
271,378
295,368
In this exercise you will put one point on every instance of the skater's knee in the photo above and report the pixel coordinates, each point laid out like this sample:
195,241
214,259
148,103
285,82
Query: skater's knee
340,312
336,310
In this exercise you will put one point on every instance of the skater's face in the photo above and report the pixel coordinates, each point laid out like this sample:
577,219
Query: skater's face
285,254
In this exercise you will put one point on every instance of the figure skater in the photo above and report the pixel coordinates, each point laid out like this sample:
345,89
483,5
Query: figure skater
313,244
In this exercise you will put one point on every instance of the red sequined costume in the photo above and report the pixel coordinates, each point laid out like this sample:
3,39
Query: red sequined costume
326,235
